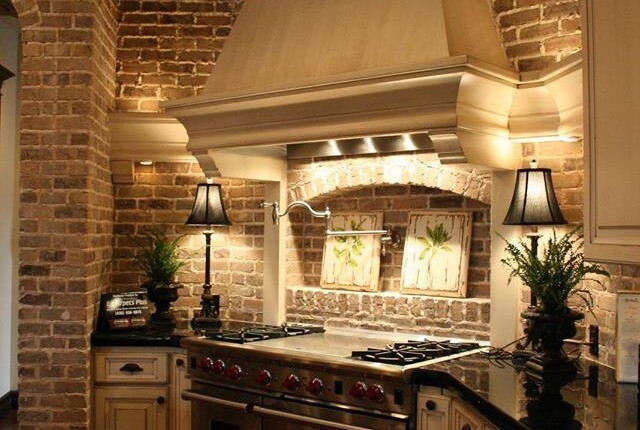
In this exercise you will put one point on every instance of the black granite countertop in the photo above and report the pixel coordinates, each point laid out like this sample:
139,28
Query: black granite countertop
515,400
145,336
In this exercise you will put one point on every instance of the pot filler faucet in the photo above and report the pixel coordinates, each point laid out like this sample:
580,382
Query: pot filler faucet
387,236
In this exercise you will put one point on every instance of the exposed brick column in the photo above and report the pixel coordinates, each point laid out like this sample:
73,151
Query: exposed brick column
68,84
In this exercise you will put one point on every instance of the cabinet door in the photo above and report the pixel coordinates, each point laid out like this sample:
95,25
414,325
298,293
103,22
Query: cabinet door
464,418
433,412
180,409
131,408
612,130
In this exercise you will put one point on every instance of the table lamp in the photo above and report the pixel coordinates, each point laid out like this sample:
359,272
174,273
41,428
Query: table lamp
208,210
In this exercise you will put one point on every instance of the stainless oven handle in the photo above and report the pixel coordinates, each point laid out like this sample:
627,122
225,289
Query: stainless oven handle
266,412
192,395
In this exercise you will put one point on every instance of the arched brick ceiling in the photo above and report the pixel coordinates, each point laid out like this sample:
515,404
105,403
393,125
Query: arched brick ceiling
6,8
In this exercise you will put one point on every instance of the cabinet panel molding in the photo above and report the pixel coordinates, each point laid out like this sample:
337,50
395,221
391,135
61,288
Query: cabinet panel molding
612,130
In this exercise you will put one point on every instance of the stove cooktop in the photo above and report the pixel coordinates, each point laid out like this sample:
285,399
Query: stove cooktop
405,353
240,332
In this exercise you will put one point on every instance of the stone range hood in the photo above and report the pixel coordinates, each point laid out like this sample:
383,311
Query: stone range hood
294,71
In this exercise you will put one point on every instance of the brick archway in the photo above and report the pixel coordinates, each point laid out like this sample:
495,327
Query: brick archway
314,179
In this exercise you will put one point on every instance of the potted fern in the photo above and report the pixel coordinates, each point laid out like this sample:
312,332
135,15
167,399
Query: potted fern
553,278
158,259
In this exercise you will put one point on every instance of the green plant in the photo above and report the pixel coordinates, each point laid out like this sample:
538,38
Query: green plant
435,241
347,247
557,275
158,258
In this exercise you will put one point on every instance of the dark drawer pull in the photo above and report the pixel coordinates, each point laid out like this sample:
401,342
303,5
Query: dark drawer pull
160,400
179,362
131,368
431,405
465,427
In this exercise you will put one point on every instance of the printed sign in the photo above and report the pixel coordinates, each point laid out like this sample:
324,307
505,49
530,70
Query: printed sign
123,310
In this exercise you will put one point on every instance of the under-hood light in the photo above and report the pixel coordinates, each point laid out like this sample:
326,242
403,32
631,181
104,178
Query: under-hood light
544,139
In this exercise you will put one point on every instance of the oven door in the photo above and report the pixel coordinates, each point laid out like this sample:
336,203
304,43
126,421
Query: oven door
290,414
217,408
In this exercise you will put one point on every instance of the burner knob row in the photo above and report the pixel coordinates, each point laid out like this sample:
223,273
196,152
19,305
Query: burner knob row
374,392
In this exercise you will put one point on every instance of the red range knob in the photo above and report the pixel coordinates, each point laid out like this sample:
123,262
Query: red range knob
234,372
315,386
291,382
218,367
206,364
358,390
264,377
375,393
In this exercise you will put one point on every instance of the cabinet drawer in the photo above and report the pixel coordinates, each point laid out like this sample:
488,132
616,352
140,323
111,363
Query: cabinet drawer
130,367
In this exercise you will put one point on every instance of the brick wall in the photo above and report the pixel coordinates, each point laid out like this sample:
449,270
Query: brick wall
161,198
538,33
395,184
68,85
167,48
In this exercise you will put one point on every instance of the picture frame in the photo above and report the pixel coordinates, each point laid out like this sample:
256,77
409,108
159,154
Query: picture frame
436,253
352,262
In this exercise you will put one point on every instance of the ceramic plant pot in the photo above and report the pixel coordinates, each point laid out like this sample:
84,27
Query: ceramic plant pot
549,331
162,297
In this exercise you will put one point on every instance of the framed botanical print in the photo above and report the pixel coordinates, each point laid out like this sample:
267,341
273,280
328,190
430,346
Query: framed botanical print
436,253
352,262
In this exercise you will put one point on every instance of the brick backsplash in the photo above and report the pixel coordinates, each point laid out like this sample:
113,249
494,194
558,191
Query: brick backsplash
395,185
306,241
161,198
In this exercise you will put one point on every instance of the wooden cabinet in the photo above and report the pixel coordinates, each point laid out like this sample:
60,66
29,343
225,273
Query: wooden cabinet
612,130
465,418
131,408
440,409
139,389
433,409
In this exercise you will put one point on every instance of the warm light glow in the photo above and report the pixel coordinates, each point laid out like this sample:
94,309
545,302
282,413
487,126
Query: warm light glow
370,146
146,162
408,142
334,146
543,139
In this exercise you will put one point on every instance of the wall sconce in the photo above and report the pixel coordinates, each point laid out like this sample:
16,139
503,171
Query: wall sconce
208,210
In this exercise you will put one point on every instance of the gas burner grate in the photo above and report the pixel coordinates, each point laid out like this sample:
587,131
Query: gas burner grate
405,353
254,333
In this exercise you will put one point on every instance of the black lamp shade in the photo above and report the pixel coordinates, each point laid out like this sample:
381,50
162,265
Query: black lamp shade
207,207
534,201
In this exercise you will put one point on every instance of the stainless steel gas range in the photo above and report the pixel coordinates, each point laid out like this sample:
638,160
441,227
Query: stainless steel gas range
298,377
